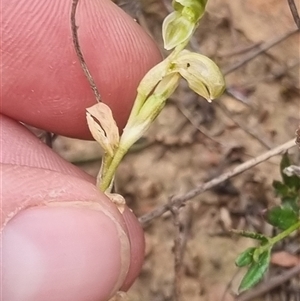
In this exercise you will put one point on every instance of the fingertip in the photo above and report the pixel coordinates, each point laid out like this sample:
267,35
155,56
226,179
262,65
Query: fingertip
56,253
137,247
44,84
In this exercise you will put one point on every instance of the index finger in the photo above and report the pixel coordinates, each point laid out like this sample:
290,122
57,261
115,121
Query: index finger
43,84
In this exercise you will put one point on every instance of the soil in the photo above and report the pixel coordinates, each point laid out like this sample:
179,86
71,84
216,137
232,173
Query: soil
193,141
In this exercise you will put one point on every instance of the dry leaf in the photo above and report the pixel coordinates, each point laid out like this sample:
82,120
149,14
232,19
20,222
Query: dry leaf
120,296
225,218
118,200
103,127
285,259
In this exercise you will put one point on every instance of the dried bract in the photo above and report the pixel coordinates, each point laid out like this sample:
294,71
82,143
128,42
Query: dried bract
103,127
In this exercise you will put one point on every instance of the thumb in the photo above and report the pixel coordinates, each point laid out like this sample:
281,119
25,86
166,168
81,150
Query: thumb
62,239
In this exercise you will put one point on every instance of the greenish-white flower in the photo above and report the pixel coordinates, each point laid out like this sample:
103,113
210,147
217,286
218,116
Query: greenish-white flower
176,30
202,74
161,93
179,26
138,125
192,9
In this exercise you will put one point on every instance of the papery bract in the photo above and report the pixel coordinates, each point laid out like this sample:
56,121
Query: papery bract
103,127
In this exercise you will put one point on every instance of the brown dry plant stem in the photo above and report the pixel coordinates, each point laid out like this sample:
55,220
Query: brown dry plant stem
262,48
177,253
294,12
260,137
78,51
180,200
269,285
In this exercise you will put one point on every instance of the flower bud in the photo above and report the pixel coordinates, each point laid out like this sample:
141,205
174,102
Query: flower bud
191,9
202,74
176,29
179,26
152,78
156,101
138,125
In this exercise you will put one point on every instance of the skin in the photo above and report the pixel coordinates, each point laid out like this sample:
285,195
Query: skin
62,239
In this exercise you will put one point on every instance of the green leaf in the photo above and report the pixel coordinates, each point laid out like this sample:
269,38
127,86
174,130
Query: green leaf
280,188
293,181
245,258
282,217
291,202
256,271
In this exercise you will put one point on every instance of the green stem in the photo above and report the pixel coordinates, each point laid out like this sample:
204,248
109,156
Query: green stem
110,171
272,241
138,103
141,98
106,160
110,164
284,233
129,137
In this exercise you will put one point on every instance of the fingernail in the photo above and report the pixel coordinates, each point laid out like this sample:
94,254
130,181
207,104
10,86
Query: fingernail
63,253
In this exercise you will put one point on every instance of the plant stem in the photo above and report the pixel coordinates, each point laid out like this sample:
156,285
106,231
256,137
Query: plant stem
145,107
284,233
111,169
106,160
272,241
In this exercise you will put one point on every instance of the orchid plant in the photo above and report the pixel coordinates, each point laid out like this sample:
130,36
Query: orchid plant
202,75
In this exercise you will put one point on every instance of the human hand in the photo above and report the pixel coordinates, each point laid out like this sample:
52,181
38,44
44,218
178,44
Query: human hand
61,238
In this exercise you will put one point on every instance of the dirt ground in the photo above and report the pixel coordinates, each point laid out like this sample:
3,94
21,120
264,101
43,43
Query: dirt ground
193,141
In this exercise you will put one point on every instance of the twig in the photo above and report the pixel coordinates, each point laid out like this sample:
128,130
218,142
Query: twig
181,199
177,253
264,47
186,113
237,51
84,67
270,77
185,228
262,140
294,11
271,284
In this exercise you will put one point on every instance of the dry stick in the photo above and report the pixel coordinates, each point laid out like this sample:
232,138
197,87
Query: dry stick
185,228
237,51
270,77
186,113
79,53
264,141
294,11
271,284
251,55
177,253
181,199
264,47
